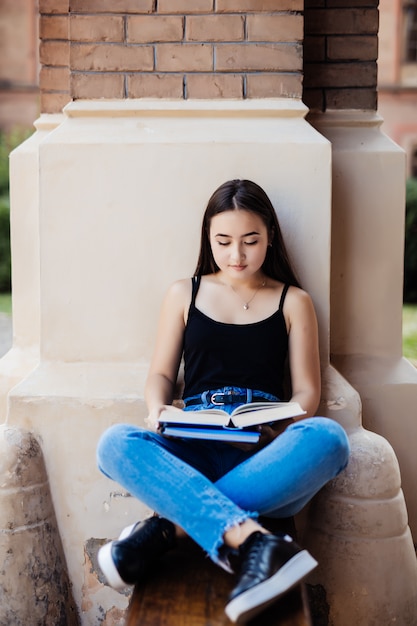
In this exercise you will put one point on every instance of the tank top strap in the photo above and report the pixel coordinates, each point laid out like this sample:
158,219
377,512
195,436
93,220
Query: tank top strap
195,286
284,293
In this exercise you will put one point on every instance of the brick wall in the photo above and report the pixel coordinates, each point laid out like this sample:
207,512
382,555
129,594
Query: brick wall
149,48
340,53
219,49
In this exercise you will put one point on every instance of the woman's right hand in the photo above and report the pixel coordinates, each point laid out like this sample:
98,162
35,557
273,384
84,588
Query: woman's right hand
152,421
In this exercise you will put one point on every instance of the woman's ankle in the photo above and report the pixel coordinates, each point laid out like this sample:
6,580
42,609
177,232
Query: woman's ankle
237,534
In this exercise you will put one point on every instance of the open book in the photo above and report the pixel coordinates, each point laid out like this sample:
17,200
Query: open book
239,426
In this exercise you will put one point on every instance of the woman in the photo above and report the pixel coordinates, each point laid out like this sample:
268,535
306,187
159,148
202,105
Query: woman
235,324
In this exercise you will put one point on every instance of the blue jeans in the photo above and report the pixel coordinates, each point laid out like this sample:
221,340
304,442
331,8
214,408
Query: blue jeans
207,487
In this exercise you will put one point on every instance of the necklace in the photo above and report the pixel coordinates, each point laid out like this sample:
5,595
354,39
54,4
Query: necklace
247,303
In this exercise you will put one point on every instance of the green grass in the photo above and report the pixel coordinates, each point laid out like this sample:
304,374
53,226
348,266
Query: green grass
410,332
6,303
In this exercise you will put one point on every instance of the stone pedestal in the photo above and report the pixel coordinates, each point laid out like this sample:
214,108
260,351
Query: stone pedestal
368,213
34,584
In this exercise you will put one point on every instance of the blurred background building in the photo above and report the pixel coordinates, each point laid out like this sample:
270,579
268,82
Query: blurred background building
397,75
19,63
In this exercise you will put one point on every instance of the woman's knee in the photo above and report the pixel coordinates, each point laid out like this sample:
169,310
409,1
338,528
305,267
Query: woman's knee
113,442
336,440
331,436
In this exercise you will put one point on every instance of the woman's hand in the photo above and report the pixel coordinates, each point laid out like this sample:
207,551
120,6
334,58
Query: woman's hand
268,434
152,421
270,431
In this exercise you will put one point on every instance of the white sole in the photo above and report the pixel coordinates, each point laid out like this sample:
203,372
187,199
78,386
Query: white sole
246,605
126,532
107,565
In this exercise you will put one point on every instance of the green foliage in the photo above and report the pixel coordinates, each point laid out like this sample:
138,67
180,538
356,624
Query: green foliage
410,252
5,256
6,303
410,332
8,141
4,167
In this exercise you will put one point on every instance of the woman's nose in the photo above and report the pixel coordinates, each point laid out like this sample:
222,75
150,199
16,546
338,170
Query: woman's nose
237,252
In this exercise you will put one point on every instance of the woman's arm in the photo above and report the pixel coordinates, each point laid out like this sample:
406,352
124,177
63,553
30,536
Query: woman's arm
163,370
303,350
304,360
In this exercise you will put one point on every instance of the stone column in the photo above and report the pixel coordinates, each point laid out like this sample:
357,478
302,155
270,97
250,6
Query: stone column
112,238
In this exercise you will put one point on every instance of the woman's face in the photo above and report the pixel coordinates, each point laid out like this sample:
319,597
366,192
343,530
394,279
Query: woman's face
239,242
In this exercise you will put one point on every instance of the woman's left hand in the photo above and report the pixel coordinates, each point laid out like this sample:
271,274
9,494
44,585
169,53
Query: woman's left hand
268,434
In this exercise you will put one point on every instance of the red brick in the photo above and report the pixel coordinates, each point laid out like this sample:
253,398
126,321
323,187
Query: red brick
97,28
242,6
351,99
314,49
183,6
54,102
341,21
213,86
314,99
274,85
54,78
155,85
53,27
184,57
314,4
111,57
54,53
352,3
111,6
277,28
153,28
258,57
338,75
101,85
54,6
215,28
352,48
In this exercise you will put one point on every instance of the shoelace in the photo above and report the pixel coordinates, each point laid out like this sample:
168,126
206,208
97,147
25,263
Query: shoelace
166,535
250,562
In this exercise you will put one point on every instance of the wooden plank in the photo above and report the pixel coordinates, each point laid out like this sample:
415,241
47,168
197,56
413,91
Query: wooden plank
187,589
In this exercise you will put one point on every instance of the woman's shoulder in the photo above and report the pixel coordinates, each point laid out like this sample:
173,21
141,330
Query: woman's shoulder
179,289
298,302
177,299
294,295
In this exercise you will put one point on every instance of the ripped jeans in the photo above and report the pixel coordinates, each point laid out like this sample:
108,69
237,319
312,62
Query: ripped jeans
207,487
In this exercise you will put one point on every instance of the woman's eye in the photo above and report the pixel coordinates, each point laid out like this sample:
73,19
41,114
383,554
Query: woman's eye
251,243
223,243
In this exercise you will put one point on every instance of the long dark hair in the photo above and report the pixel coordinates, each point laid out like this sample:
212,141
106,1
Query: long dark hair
248,196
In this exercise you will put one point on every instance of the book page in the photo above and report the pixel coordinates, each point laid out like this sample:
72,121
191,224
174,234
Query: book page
215,417
267,412
245,415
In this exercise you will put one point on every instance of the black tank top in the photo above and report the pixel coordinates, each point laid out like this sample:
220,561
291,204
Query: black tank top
217,354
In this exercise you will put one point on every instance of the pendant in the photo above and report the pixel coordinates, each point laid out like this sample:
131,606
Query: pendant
245,306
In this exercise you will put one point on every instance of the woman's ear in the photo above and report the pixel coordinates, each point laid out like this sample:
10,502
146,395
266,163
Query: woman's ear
271,236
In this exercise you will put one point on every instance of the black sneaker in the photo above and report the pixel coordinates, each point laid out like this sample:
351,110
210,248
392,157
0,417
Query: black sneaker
270,566
125,561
